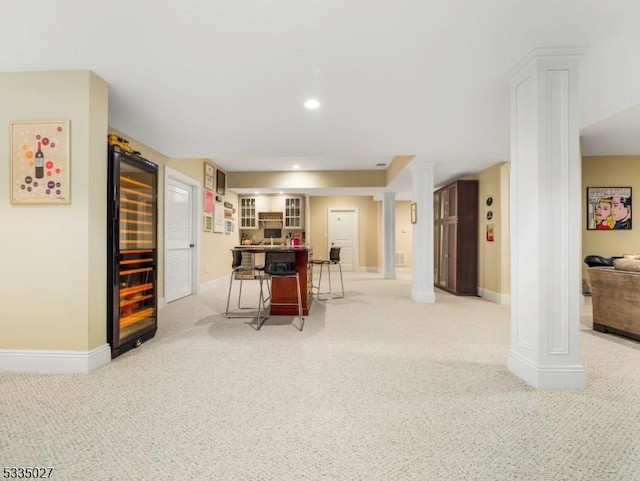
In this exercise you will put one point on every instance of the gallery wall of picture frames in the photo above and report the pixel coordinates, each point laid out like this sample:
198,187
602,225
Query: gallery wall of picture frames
489,234
218,214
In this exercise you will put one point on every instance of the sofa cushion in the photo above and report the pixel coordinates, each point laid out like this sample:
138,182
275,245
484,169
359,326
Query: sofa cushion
631,256
627,264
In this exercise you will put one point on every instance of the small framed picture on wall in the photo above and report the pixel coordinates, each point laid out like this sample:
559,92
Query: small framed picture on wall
207,223
221,182
209,171
208,201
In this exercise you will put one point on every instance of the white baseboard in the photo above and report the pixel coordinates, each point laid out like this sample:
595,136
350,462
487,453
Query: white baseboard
546,377
494,296
368,269
203,287
54,362
423,296
220,282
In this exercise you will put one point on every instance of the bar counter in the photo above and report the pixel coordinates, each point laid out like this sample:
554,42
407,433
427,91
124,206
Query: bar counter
284,289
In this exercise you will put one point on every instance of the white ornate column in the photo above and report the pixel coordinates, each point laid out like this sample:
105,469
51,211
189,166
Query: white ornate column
422,253
545,219
389,235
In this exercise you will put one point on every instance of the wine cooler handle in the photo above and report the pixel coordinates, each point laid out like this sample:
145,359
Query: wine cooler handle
115,211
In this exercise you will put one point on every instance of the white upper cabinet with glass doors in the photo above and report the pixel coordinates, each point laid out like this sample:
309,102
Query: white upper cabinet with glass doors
288,210
293,213
248,213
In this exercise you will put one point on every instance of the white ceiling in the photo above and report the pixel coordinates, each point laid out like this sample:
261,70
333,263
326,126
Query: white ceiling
226,80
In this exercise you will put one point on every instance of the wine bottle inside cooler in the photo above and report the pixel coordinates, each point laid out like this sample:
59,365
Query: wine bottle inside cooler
39,163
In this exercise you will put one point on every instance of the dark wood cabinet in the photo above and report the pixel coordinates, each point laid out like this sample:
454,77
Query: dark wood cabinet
456,237
285,291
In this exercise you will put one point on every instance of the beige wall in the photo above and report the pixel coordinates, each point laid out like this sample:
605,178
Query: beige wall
306,180
490,258
399,163
368,228
53,257
620,171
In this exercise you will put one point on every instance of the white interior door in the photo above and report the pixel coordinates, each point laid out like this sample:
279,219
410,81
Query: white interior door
179,239
343,232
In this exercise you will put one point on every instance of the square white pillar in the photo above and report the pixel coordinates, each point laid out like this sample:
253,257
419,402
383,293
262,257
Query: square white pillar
545,220
422,183
389,234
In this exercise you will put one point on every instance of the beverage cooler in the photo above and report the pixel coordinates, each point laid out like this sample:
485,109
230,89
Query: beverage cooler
132,306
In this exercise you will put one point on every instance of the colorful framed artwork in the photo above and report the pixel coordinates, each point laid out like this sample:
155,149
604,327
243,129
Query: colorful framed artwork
608,208
40,163
207,222
221,182
209,171
208,201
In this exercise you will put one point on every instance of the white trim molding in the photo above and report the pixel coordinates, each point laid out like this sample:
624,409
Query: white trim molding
373,269
55,362
214,284
493,296
564,376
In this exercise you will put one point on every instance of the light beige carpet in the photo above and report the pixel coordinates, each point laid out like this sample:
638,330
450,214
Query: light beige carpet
376,387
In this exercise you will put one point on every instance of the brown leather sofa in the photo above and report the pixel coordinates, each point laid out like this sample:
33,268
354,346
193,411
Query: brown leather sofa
615,293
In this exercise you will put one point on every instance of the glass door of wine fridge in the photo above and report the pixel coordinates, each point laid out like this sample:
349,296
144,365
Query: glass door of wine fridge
132,297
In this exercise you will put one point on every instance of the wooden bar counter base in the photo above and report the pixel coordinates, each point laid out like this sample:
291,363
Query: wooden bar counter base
284,289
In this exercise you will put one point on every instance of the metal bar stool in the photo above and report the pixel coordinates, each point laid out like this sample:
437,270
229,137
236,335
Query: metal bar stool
279,265
334,259
240,270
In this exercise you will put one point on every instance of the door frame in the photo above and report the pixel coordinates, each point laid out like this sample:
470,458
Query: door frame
356,244
196,207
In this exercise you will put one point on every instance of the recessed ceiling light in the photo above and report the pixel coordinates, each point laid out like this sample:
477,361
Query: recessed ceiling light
257,193
280,192
312,104
296,166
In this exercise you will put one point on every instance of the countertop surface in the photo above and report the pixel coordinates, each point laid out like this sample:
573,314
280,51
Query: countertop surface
259,248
